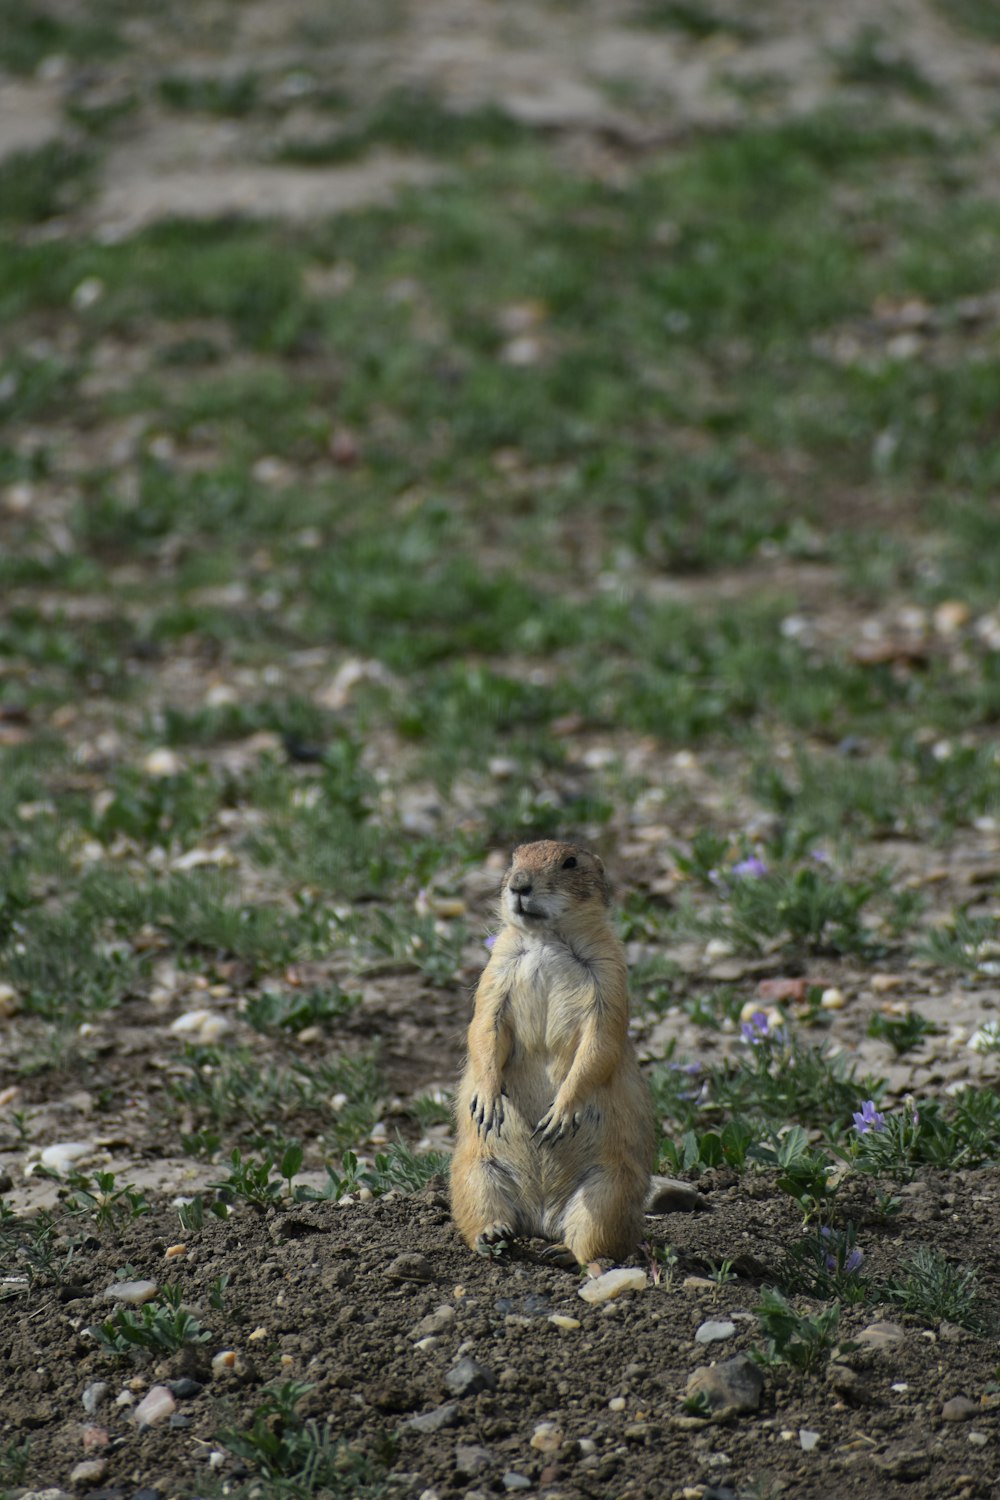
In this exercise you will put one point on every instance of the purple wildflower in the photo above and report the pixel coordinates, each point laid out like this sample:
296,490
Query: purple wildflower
852,1260
868,1118
751,868
820,856
757,1029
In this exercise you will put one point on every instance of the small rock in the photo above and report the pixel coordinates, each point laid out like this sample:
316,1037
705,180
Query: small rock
710,1332
513,1481
951,616
63,1156
881,1335
698,1284
617,1403
435,1322
547,1437
135,1293
807,1439
155,1407
223,1362
776,991
849,1384
94,1437
669,1195
468,1377
832,999
185,1389
471,1460
613,1284
731,1387
190,1363
94,1396
953,1333
979,1439
162,763
205,1026
902,1461
960,1409
410,1267
91,1471
559,1320
434,1421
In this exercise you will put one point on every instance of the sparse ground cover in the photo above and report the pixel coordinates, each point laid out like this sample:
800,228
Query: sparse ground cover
622,480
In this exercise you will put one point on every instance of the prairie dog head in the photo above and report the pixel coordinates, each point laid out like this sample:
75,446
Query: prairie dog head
549,884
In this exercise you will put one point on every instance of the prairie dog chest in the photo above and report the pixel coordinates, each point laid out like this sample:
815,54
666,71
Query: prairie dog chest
550,991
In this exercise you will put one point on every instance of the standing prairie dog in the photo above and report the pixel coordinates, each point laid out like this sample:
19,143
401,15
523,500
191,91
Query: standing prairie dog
555,1123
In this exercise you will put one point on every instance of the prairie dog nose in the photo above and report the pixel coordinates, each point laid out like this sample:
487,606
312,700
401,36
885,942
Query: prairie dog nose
520,883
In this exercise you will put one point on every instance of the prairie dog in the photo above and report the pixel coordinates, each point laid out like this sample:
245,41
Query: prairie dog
555,1123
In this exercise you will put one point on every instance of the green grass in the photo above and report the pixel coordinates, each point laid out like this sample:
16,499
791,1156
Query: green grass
873,59
38,184
215,96
408,120
31,33
977,16
695,19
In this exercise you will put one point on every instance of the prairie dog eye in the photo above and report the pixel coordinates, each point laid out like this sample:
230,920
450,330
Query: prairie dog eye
569,863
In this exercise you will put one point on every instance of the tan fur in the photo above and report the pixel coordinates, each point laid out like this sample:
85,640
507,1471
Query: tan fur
555,1124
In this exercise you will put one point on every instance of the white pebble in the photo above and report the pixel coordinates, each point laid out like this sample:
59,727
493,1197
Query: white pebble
206,1026
94,1396
156,1406
90,1471
559,1320
711,1331
133,1292
613,1284
61,1157
223,1362
807,1439
86,293
547,1437
161,763
617,1403
832,999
